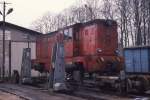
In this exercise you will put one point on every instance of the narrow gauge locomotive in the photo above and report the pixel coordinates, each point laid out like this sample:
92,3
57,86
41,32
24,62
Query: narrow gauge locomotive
90,48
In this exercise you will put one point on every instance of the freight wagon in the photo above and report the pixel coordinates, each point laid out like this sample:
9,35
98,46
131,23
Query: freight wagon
137,67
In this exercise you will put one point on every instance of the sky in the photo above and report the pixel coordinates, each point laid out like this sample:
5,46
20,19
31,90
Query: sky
27,11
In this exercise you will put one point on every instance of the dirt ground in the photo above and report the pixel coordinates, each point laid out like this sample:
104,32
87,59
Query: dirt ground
8,96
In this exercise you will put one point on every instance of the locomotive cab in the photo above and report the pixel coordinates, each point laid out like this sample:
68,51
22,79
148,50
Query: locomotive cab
97,43
93,48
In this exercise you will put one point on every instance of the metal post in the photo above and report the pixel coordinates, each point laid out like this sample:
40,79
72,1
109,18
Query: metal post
10,59
28,37
3,28
3,63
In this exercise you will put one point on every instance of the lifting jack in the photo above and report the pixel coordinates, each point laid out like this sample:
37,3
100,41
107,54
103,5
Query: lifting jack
57,74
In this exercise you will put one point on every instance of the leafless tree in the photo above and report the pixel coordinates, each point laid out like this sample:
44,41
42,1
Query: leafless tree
37,25
132,16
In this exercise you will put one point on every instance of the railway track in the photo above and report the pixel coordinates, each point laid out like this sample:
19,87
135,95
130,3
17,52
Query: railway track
88,93
111,94
92,92
33,93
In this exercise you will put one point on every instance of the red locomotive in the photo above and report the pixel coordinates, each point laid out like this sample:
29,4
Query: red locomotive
92,46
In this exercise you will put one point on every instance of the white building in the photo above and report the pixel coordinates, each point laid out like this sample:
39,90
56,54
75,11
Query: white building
16,38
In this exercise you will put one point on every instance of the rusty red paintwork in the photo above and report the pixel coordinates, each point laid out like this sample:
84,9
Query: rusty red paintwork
93,44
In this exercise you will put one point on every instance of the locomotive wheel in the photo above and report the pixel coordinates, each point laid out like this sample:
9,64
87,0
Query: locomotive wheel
74,76
143,85
71,86
81,72
139,84
128,85
122,87
71,83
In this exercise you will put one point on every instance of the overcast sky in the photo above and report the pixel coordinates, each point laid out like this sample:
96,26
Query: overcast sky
26,11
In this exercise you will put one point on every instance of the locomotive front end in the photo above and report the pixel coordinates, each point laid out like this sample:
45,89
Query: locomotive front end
105,64
100,47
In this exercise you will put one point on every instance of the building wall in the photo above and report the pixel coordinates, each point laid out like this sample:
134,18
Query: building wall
17,54
18,40
17,35
6,55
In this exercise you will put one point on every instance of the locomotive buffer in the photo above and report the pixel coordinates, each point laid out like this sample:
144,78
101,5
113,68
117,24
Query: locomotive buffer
57,75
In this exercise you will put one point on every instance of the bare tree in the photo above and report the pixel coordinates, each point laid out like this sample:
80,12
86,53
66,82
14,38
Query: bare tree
107,9
37,26
132,16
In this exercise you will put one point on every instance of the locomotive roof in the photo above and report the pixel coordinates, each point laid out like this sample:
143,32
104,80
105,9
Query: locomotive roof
54,32
97,21
51,33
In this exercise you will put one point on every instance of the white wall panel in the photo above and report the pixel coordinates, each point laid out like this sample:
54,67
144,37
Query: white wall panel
16,54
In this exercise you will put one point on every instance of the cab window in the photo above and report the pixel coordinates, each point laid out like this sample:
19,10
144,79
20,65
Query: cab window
68,34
